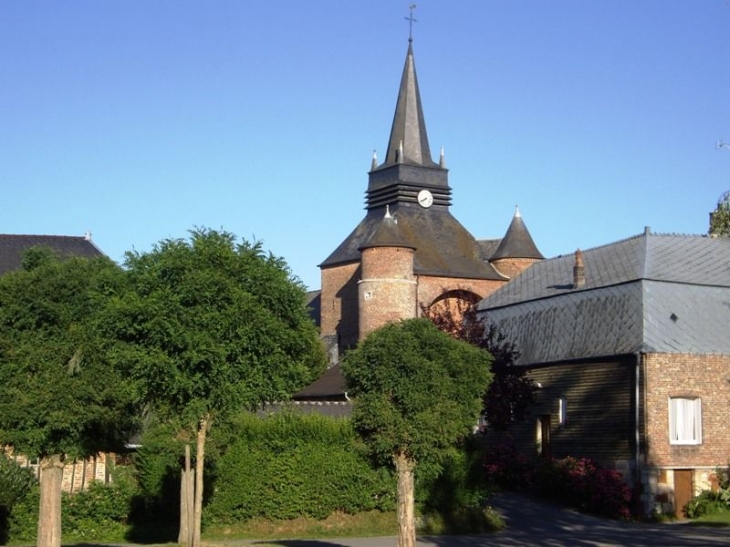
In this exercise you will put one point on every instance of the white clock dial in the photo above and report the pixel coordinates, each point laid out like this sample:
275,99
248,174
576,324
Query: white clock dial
425,198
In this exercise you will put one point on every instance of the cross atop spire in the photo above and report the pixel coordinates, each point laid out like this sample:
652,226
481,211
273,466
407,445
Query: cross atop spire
411,20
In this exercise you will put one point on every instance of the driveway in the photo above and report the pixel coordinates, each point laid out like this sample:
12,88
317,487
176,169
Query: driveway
533,523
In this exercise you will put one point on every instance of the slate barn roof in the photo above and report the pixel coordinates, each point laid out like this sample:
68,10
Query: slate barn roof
648,293
12,248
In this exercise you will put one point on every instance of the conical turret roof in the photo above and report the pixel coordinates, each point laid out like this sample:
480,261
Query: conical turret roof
517,242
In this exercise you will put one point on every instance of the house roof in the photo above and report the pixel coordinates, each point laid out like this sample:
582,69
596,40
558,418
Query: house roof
647,293
12,248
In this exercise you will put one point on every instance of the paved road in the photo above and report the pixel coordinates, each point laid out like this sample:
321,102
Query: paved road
531,523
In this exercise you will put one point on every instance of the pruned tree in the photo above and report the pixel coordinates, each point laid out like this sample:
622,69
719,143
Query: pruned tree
62,397
511,391
214,326
720,217
416,391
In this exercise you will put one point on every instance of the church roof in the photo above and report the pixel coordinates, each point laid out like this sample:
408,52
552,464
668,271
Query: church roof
517,242
13,246
443,246
386,234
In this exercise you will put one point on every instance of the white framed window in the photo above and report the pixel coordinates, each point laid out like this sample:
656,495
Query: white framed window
685,420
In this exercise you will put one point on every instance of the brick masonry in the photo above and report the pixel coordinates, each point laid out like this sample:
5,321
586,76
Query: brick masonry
511,267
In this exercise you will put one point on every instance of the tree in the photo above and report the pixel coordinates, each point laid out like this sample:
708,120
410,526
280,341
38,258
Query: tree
511,391
61,396
213,327
416,391
720,217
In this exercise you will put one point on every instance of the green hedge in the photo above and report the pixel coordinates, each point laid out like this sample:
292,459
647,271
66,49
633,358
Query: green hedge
292,465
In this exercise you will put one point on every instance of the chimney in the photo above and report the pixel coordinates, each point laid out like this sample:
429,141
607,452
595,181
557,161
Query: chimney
579,274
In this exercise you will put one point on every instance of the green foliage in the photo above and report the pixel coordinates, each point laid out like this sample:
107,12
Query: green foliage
511,392
461,482
416,390
100,513
709,502
213,326
720,217
15,481
23,519
292,465
60,393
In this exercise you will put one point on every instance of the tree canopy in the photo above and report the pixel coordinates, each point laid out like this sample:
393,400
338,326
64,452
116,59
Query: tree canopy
213,326
511,392
416,392
720,217
62,394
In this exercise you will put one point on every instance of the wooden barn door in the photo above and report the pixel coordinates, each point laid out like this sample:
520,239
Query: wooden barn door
683,490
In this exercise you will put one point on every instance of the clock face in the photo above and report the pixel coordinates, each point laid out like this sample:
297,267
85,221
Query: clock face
425,198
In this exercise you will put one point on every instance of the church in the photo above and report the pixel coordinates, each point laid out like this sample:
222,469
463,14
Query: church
409,252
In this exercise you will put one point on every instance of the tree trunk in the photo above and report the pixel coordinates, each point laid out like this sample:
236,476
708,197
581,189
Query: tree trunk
406,502
203,426
49,513
187,489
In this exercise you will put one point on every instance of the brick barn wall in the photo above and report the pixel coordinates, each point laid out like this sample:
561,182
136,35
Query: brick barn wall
677,375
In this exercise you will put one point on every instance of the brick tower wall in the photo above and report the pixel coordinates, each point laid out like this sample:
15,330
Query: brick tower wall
512,267
387,290
339,305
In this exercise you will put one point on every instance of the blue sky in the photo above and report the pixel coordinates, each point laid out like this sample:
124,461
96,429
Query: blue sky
140,120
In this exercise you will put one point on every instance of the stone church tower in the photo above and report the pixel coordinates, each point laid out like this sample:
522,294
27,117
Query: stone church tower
409,251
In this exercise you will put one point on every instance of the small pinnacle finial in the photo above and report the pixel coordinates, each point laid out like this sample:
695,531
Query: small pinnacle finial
374,163
387,212
411,20
442,159
517,211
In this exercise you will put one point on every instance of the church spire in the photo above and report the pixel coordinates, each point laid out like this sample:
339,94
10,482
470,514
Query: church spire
409,127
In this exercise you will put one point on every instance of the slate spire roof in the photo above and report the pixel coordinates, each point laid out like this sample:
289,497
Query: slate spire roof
517,242
408,141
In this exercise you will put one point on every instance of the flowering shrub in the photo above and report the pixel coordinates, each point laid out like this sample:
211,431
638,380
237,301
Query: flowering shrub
578,482
506,467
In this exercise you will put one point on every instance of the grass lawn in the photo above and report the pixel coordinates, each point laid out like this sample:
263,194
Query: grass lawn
719,518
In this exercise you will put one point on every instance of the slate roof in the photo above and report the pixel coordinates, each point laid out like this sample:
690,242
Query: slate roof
328,387
408,131
12,248
517,242
443,246
647,293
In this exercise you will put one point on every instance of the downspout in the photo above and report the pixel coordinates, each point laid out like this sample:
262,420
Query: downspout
637,428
